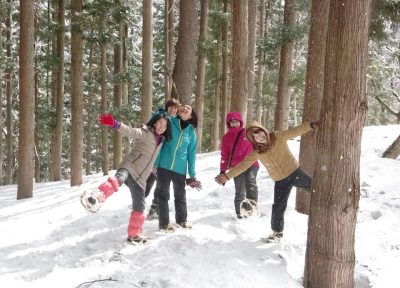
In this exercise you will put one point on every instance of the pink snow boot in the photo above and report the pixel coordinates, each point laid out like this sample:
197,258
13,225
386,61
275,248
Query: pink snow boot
135,228
109,187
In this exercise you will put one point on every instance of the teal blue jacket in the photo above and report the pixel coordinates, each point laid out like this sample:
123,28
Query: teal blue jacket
179,154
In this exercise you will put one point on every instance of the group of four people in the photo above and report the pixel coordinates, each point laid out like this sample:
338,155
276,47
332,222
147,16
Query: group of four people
164,151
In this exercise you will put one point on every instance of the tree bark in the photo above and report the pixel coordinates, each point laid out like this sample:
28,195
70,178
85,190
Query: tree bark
313,93
76,94
147,61
9,98
239,57
186,49
217,101
201,72
285,68
104,100
330,256
117,137
1,98
225,71
252,21
169,46
393,151
27,101
90,114
59,103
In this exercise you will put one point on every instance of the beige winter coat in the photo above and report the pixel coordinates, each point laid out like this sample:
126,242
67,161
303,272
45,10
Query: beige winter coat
279,161
143,153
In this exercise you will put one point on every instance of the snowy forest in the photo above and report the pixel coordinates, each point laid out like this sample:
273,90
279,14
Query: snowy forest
280,63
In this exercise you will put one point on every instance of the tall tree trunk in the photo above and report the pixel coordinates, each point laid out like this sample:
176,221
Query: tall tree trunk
27,101
147,60
285,68
252,21
217,101
59,103
89,109
330,256
117,137
186,48
225,71
263,28
201,71
239,57
169,45
125,65
9,127
313,93
76,94
104,100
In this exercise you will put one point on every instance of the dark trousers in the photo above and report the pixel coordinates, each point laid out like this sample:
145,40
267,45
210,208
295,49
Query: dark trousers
281,195
164,178
137,193
150,183
245,187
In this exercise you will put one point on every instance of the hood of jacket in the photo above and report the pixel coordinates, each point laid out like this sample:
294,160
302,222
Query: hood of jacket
233,116
250,129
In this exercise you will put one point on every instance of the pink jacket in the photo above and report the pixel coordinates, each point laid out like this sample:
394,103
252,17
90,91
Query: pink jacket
243,146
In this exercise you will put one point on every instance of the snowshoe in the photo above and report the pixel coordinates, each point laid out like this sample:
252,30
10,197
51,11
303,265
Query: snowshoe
275,237
139,239
185,225
90,199
248,208
167,228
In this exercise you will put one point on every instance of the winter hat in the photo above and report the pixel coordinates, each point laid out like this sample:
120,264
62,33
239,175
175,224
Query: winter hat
233,116
254,126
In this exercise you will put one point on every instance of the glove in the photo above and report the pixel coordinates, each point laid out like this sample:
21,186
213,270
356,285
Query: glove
194,183
221,179
108,119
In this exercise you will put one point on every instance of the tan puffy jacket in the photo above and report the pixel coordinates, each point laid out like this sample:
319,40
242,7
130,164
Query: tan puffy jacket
143,153
279,161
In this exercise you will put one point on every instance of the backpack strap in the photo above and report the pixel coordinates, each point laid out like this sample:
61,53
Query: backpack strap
233,148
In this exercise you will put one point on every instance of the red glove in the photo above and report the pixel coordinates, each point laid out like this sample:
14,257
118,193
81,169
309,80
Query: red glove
108,119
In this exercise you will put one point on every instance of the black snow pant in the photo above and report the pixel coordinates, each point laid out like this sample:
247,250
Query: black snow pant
164,178
137,193
281,195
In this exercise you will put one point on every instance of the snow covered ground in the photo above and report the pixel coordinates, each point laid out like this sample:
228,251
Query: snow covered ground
51,241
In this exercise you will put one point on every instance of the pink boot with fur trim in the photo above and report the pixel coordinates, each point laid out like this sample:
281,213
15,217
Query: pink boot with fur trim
135,228
109,187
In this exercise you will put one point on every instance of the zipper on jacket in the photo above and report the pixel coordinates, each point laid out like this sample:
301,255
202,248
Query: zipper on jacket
177,146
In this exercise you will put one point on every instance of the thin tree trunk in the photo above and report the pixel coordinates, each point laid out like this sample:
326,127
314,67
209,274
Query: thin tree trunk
252,21
217,101
89,109
104,102
201,72
76,94
27,101
239,57
117,137
313,93
147,61
9,127
330,255
169,45
57,145
125,65
225,69
285,68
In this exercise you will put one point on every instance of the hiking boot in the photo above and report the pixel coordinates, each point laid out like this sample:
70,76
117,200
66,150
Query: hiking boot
91,200
167,228
138,239
185,225
275,237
